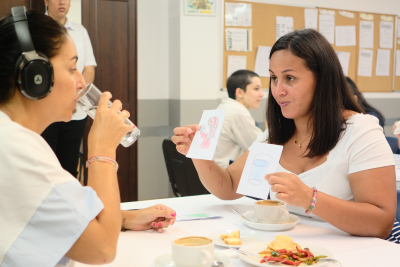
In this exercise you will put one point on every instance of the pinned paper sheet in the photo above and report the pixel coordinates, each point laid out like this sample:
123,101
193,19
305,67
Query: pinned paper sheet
238,14
345,35
238,39
386,34
236,63
383,62
310,18
205,140
365,63
262,159
262,61
366,34
344,58
284,25
327,27
398,63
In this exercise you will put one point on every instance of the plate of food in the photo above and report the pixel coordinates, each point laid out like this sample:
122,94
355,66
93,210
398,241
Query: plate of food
283,225
235,238
286,252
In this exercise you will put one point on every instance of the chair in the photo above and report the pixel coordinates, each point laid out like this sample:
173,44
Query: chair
398,206
393,144
181,171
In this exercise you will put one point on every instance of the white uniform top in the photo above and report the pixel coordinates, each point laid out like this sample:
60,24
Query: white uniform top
238,132
85,54
361,147
43,208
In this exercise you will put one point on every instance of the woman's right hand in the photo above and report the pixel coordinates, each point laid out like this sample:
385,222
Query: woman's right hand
108,128
183,137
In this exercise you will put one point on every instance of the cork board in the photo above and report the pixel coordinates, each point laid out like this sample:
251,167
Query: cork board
353,50
377,83
396,78
264,32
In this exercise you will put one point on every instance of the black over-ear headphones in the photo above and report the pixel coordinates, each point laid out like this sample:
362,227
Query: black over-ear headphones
33,71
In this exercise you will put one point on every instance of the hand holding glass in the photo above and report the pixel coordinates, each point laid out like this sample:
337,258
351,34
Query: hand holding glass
88,100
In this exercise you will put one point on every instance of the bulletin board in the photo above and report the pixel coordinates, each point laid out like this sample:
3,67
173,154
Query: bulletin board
377,83
397,45
264,34
353,50
264,31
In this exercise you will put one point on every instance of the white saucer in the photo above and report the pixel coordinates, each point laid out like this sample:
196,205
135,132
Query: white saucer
165,260
247,237
268,227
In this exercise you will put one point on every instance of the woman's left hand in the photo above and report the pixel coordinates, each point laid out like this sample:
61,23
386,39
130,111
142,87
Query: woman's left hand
290,189
155,217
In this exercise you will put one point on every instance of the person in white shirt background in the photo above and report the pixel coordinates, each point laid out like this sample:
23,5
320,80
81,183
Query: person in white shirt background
65,137
239,129
47,217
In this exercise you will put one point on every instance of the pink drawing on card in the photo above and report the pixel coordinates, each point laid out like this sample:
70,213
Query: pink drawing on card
207,131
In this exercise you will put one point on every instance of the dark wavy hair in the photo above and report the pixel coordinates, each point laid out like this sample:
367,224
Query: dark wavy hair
47,37
331,97
361,100
239,79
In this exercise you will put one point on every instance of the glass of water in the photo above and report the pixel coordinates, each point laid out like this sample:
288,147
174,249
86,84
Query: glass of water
259,168
88,100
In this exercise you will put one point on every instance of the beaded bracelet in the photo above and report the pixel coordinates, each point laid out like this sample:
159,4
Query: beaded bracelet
313,202
102,159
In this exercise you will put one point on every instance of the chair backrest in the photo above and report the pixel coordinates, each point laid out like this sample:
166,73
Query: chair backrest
398,206
182,174
393,143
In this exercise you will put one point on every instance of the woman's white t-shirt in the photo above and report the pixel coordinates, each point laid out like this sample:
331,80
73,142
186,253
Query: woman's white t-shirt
362,146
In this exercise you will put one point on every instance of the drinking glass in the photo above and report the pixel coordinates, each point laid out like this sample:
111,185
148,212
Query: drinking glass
88,100
259,168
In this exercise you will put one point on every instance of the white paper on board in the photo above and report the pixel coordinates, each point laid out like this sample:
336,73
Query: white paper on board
327,27
344,58
237,39
365,62
310,18
262,159
366,34
383,62
398,27
284,25
238,14
345,35
386,34
398,63
236,63
262,61
205,140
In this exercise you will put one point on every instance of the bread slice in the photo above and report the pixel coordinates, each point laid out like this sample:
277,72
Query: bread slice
232,241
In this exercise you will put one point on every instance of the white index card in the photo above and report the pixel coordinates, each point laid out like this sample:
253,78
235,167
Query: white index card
383,62
205,140
327,27
262,61
386,34
262,159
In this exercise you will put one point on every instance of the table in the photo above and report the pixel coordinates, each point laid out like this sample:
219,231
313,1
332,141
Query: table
140,248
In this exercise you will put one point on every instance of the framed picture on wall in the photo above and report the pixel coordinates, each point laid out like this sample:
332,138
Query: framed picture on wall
200,7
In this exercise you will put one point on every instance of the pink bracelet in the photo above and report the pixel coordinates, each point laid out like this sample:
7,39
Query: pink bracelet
102,159
313,202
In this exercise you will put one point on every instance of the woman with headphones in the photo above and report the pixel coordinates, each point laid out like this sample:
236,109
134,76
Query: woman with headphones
47,217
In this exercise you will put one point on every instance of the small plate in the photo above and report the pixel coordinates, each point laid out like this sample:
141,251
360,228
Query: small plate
247,237
257,247
165,260
268,227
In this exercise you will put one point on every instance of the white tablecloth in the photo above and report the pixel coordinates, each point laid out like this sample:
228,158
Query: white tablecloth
140,248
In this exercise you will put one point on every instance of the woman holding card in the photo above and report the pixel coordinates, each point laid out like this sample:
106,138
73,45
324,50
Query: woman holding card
334,165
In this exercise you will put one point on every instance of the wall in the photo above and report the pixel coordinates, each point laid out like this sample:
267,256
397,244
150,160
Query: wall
179,75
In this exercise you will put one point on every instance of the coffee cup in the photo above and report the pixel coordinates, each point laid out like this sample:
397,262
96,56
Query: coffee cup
193,251
271,211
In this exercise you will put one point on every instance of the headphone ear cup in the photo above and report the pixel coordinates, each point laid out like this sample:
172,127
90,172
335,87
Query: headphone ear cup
36,78
17,72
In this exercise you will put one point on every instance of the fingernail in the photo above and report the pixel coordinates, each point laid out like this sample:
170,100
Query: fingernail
173,214
153,224
159,224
